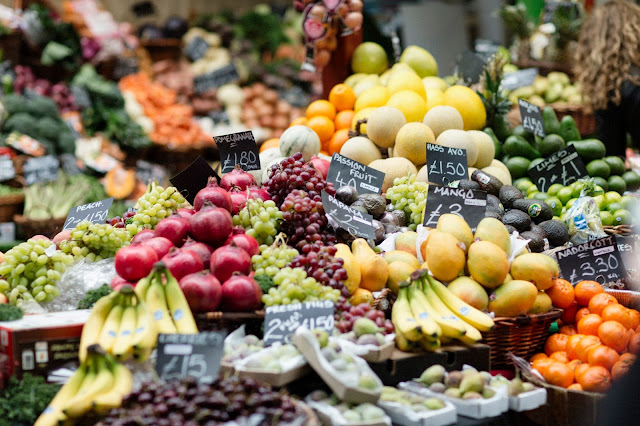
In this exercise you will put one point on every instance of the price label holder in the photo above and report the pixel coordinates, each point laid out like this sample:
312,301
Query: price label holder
521,78
7,170
531,118
353,221
238,148
344,171
93,212
196,48
469,204
471,65
564,167
214,79
7,231
190,355
193,178
69,164
598,260
148,172
446,165
41,169
281,321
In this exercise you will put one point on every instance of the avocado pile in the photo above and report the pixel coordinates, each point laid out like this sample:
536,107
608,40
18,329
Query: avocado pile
533,219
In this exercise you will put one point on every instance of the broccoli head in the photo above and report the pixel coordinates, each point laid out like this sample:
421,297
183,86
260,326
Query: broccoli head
23,123
49,128
14,104
67,143
41,106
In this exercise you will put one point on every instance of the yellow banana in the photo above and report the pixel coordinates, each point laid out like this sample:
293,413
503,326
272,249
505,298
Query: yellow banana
102,382
146,334
93,326
402,318
460,308
402,343
53,414
143,285
157,304
452,327
430,345
179,307
111,325
428,326
122,348
123,383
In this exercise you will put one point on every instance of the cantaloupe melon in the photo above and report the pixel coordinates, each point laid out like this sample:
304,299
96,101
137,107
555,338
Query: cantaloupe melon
266,167
383,125
459,139
299,139
395,167
503,176
486,148
411,142
471,170
361,149
423,174
443,117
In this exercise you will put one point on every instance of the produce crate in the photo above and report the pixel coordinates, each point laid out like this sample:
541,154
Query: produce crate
164,48
11,204
627,298
584,118
46,227
545,67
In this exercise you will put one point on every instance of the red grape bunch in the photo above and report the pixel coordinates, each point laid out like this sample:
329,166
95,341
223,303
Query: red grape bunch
321,264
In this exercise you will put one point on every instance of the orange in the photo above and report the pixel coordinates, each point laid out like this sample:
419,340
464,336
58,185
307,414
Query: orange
300,121
579,370
561,293
555,343
574,364
582,312
620,369
559,374
585,290
635,318
628,358
537,357
542,364
603,355
569,329
569,314
601,301
337,140
595,379
614,335
560,356
572,343
575,386
617,313
321,107
270,143
634,344
323,127
361,295
343,119
589,324
342,97
583,346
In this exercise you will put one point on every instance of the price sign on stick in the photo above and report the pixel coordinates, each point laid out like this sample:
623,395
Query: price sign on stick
564,166
598,260
214,79
351,220
531,117
446,165
93,212
190,355
196,48
7,171
193,178
344,171
521,78
41,169
281,321
469,204
238,148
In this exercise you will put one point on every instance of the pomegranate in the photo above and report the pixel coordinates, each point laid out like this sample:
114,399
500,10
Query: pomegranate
161,245
118,282
238,178
61,236
182,262
229,259
238,200
201,249
211,225
135,261
202,290
186,213
39,237
261,193
321,165
174,228
237,230
213,194
241,293
143,235
245,242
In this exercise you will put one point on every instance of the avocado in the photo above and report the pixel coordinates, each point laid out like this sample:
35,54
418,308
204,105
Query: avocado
510,229
550,121
539,231
550,144
494,201
518,146
468,184
537,209
495,211
589,149
536,243
557,232
487,182
496,142
374,203
508,194
518,219
523,133
518,166
568,129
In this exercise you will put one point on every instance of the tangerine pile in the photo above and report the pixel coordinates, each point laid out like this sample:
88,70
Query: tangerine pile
597,342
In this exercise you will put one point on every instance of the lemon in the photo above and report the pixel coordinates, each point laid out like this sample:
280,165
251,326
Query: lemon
363,113
366,83
411,142
435,83
435,97
412,105
372,98
468,104
406,81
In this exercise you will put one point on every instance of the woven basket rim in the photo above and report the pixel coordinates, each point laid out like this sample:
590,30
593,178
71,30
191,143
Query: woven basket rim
23,219
529,318
6,200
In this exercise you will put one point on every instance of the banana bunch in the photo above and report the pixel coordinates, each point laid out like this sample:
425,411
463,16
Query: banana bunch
122,325
163,296
426,314
97,386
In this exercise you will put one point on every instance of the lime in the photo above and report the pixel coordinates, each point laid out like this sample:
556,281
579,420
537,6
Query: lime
612,197
540,196
598,168
606,218
523,184
517,166
597,190
570,203
622,217
369,58
616,164
632,179
555,205
616,183
532,189
629,202
612,207
601,202
601,182
553,189
564,195
577,189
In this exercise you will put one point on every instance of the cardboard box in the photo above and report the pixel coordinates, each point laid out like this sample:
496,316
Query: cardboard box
528,400
330,416
402,415
39,344
274,379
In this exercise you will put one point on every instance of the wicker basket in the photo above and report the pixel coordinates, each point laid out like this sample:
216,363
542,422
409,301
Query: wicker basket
523,336
622,230
229,321
9,206
46,227
164,48
584,118
627,298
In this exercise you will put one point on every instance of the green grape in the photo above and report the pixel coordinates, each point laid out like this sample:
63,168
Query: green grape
293,286
273,257
260,219
93,242
156,204
409,196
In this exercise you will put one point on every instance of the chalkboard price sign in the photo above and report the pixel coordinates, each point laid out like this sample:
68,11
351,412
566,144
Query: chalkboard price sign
7,231
41,169
597,260
446,165
69,164
353,221
7,171
238,148
521,78
469,204
190,355
564,166
281,321
344,171
148,172
531,117
217,78
193,178
196,48
93,212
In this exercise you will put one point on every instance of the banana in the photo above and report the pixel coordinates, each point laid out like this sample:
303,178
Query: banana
111,325
402,343
143,285
123,383
460,308
430,345
53,414
452,327
429,327
402,318
122,348
145,335
157,304
95,322
179,307
103,381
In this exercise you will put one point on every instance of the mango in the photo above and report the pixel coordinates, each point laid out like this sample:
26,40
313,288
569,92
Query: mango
401,256
488,264
456,226
541,270
508,278
490,229
468,290
361,296
444,256
407,242
374,270
513,298
398,272
542,304
350,265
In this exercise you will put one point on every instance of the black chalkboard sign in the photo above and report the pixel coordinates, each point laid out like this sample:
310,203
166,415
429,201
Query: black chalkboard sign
93,212
446,165
281,321
531,117
8,231
219,117
471,66
598,260
217,78
193,178
41,169
344,171
196,48
520,78
238,148
190,355
7,170
148,172
69,164
564,166
469,204
353,221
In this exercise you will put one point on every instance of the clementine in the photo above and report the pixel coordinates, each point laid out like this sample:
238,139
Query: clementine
559,374
270,143
582,312
561,293
321,108
569,314
585,290
595,379
555,343
537,357
604,356
575,386
323,127
634,344
568,329
337,140
583,346
601,301
614,335
343,119
560,356
617,313
572,344
342,97
589,324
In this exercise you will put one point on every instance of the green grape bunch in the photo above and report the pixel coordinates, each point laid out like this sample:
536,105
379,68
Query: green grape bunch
31,270
409,196
292,285
156,204
260,219
95,241
273,257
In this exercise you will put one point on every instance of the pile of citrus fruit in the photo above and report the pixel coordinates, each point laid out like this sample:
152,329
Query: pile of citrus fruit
597,342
